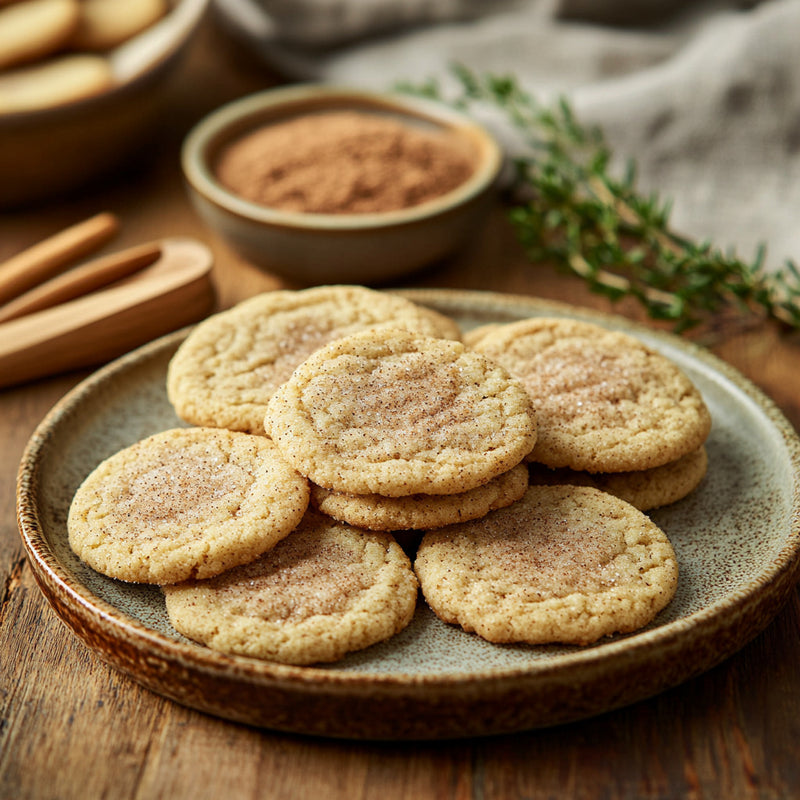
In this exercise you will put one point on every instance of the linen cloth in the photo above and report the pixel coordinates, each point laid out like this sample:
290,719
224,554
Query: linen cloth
704,96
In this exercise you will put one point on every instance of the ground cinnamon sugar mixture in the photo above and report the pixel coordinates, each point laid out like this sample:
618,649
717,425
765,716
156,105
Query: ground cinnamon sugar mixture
344,162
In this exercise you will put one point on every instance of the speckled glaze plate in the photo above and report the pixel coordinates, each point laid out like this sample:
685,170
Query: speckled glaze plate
737,539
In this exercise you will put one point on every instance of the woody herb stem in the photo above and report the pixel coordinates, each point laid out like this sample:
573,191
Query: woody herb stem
570,210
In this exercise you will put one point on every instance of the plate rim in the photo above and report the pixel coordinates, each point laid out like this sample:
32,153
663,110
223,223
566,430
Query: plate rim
768,590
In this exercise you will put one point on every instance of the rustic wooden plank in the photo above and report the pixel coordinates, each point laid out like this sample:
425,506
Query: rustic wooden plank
65,711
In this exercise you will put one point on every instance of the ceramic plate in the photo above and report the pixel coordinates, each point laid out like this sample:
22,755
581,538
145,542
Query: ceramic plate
737,540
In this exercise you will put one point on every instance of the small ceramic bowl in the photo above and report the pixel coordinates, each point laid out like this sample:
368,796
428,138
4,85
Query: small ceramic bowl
333,248
51,151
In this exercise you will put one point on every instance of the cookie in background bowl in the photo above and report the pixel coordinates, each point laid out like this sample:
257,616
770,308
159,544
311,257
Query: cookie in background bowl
53,82
102,104
105,24
34,29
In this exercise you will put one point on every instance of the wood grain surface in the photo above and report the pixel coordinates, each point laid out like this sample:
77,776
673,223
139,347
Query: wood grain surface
70,727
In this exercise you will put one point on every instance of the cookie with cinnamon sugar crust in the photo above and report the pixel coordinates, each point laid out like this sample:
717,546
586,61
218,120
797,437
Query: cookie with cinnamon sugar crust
226,370
325,590
182,503
606,401
395,413
565,564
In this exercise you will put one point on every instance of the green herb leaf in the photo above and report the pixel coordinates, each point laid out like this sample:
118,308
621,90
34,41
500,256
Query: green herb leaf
573,212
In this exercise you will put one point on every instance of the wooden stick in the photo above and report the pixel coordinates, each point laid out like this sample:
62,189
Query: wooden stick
171,293
82,280
51,256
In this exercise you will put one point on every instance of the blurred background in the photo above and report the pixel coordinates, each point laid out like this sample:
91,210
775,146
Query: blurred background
704,97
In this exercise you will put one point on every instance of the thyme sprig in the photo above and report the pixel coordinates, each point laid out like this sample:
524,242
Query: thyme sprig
570,210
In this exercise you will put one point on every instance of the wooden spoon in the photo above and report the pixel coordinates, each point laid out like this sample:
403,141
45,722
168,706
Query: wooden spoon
174,291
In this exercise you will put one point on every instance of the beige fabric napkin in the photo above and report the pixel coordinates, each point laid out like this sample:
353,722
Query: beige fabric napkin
705,96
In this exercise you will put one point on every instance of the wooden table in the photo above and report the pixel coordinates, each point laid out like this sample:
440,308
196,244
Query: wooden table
70,727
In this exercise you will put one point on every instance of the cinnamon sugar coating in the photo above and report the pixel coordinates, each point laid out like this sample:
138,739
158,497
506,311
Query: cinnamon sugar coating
230,364
394,413
606,401
564,564
325,590
187,502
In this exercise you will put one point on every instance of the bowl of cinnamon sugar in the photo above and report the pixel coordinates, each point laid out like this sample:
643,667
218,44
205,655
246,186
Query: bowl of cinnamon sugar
324,184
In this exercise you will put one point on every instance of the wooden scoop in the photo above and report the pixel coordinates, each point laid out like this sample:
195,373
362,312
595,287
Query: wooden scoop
81,280
174,291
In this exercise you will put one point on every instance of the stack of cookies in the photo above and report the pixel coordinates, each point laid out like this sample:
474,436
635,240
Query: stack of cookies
397,430
614,413
620,430
328,422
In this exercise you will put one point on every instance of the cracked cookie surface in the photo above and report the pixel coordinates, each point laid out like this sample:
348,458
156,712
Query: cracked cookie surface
325,590
394,413
228,367
606,402
564,564
187,502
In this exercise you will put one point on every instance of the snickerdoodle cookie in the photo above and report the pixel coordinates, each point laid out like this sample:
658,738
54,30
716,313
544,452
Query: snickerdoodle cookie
421,511
395,413
564,564
606,402
230,364
183,503
645,489
63,79
325,590
473,335
104,24
35,29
